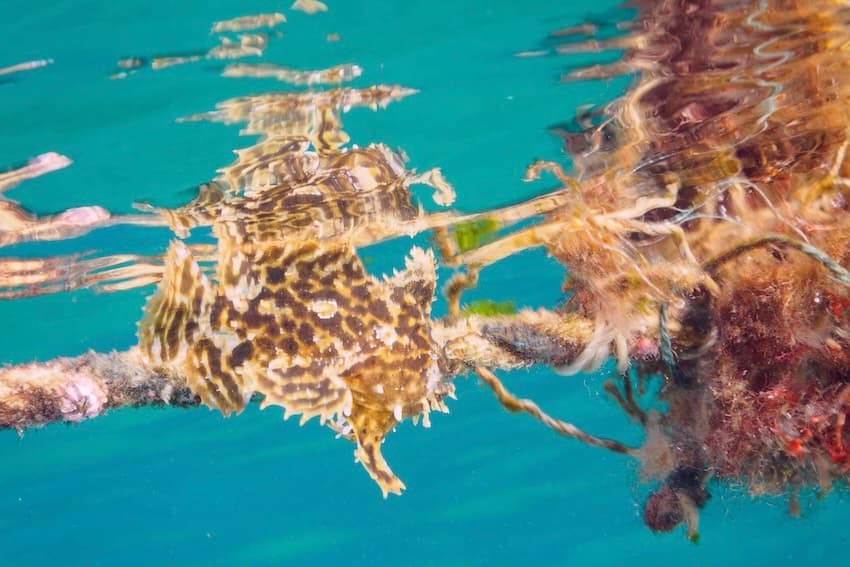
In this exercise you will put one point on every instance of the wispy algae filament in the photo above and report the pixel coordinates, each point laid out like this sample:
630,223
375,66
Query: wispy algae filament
705,239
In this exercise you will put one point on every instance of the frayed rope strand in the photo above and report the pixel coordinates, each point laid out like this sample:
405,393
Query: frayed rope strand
516,405
838,271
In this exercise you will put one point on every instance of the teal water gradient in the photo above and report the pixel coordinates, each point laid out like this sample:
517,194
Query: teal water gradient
142,487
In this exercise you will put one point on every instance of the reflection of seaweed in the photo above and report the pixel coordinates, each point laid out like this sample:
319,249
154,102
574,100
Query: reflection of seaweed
26,66
310,6
19,225
245,45
245,23
334,75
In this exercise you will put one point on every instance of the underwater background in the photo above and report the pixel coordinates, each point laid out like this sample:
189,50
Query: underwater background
191,487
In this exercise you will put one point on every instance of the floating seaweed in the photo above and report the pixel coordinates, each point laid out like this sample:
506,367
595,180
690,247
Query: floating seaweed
708,233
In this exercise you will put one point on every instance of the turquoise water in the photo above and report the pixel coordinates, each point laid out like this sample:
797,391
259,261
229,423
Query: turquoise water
190,487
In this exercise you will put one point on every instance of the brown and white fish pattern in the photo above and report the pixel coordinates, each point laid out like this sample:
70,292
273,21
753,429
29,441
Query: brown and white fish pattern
304,325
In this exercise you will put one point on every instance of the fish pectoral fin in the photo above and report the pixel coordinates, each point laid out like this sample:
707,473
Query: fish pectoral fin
369,455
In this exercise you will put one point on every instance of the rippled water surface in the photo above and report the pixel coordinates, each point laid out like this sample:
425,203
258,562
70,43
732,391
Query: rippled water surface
194,488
